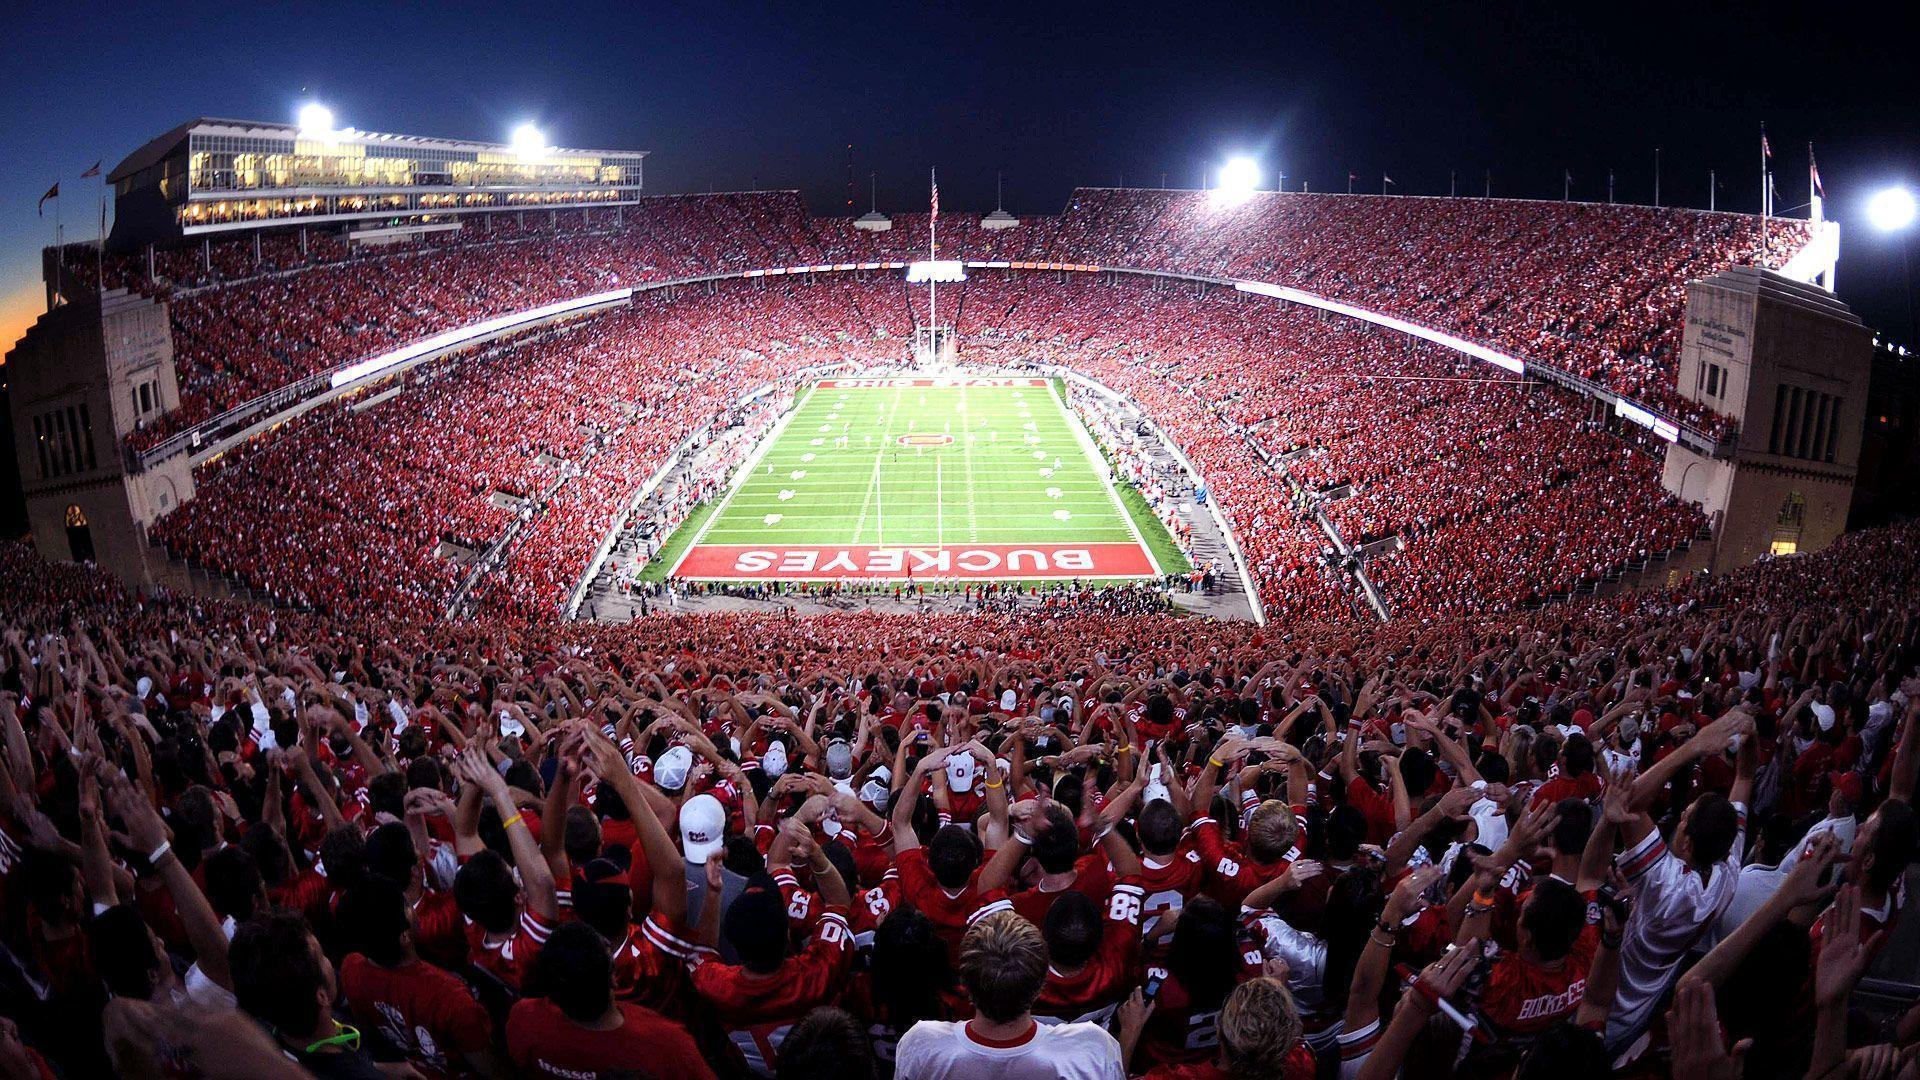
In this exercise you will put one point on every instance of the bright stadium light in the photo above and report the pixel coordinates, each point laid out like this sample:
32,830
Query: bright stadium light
316,121
1891,210
1240,175
528,141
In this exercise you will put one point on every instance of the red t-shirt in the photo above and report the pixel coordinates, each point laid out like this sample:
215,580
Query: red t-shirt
543,1042
426,1013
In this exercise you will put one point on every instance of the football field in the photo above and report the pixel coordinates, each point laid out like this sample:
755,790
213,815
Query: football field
922,479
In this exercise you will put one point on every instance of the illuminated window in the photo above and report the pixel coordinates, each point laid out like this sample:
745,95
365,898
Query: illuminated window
1783,547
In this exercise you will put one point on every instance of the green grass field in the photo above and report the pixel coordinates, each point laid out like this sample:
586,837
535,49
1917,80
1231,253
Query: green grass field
982,467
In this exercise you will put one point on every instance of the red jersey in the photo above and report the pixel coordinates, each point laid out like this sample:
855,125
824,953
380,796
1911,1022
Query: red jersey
1376,807
871,908
439,930
1521,999
543,1042
512,957
757,1011
649,968
427,1014
1091,877
1170,884
1179,1031
1300,1065
1092,993
1586,788
1232,874
950,915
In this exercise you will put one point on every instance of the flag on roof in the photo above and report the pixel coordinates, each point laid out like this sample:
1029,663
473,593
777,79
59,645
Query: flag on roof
52,193
95,171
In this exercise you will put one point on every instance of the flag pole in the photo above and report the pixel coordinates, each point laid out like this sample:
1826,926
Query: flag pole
933,248
1760,259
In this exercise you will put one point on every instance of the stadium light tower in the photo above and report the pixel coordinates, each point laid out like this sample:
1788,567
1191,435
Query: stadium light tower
528,142
1239,176
315,121
1891,209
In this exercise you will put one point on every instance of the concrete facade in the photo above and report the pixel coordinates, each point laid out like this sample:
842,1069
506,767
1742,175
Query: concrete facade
85,376
1791,363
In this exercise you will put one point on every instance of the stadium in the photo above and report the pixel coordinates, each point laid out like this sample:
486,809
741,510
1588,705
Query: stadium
480,616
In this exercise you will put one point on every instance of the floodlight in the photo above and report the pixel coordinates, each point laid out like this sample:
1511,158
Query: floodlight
1240,175
1891,210
316,120
528,142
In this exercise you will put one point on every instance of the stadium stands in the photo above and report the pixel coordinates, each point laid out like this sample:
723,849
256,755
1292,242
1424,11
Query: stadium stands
1594,290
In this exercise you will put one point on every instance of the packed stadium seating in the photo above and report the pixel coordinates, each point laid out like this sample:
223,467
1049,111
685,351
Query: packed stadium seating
1595,290
1272,405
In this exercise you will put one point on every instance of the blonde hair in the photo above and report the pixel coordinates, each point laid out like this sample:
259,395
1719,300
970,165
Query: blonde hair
1271,829
1259,1026
1003,961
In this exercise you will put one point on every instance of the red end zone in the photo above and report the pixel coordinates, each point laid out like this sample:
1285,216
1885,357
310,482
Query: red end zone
869,562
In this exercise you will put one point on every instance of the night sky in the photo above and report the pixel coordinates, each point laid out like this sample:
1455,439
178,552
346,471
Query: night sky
743,95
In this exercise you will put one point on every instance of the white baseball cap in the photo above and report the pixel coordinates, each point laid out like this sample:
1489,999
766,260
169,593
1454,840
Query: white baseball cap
960,770
774,761
1822,715
1009,700
703,828
670,771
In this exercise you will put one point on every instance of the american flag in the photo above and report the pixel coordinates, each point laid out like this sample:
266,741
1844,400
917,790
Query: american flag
1766,150
935,175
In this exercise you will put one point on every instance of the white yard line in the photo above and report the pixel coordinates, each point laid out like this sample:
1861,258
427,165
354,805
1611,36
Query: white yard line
1098,462
741,475
966,455
873,482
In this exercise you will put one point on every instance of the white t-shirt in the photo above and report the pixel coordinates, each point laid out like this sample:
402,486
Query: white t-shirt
1673,910
938,1050
1757,884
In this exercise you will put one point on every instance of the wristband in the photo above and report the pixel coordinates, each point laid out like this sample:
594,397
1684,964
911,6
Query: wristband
511,822
1216,762
1481,899
159,853
992,784
1023,838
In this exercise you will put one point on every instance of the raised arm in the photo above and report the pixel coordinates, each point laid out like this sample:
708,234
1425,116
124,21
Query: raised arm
1370,974
536,878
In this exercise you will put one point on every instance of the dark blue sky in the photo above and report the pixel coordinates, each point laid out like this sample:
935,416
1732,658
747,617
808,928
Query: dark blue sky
733,95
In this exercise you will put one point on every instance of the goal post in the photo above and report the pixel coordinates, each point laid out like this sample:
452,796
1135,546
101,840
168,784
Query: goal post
935,347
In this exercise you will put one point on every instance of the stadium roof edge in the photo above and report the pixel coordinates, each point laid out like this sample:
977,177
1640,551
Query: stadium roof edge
157,148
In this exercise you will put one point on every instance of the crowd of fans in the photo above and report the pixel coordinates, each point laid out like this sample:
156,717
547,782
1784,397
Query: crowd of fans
1285,418
1660,833
1595,290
